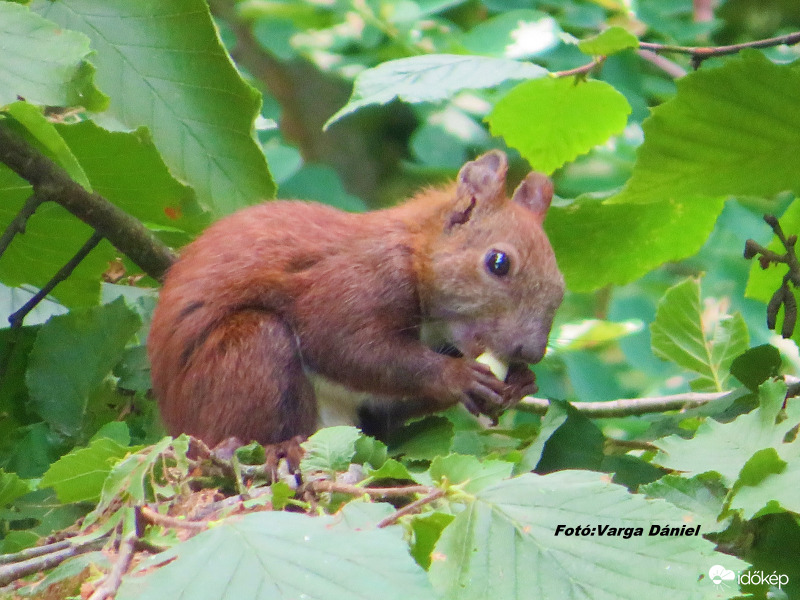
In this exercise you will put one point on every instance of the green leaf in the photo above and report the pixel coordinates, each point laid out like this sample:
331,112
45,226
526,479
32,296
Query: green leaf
431,77
72,355
725,132
556,415
281,494
469,472
756,365
44,63
131,173
427,528
612,40
321,183
278,555
133,370
251,454
763,463
42,514
33,449
700,338
553,120
72,568
330,450
724,448
576,444
128,172
164,67
630,471
45,133
116,431
769,481
132,478
625,242
424,440
79,475
390,469
701,495
370,451
504,544
359,516
12,486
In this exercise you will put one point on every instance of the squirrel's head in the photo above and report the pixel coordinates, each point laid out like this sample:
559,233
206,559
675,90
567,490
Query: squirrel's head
496,284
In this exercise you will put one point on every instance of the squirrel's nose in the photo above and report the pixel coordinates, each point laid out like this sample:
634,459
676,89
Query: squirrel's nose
530,353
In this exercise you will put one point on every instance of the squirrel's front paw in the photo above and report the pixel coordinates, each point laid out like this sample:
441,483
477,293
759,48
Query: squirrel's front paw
484,393
520,382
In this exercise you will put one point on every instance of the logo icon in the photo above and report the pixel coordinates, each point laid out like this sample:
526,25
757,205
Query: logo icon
718,574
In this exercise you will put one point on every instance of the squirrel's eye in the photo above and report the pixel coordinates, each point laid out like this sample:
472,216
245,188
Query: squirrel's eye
498,263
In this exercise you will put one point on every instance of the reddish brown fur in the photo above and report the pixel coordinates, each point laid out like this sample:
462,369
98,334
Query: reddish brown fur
287,287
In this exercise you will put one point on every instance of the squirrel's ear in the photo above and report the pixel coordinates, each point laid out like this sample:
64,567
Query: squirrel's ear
485,177
481,187
535,193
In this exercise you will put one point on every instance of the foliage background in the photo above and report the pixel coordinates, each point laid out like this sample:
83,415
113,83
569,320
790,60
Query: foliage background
660,179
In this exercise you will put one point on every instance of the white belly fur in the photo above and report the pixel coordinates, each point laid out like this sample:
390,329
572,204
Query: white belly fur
338,405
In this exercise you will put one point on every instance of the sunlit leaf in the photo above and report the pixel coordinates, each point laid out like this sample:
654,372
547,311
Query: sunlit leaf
431,77
563,119
724,448
278,555
72,355
625,242
504,544
726,132
79,475
700,338
610,41
43,63
164,67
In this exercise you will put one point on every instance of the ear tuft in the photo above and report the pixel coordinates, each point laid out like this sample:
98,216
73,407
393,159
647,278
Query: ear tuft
535,193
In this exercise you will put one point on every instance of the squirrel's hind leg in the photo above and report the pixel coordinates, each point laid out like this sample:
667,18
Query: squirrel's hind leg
246,380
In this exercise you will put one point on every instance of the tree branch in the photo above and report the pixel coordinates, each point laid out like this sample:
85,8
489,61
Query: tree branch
629,406
17,225
700,53
52,183
42,562
355,490
110,585
582,70
173,522
17,317
669,67
410,508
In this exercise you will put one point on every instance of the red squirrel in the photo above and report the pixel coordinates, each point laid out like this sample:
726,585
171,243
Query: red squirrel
285,290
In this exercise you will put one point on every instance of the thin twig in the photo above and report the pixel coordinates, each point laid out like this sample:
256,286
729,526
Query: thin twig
113,580
17,317
669,67
700,53
355,490
411,508
582,70
12,572
166,521
629,406
33,552
17,225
